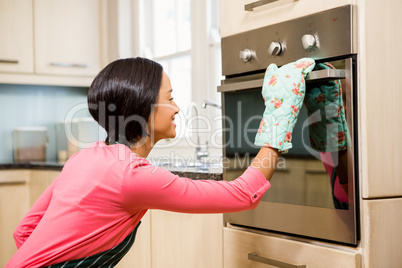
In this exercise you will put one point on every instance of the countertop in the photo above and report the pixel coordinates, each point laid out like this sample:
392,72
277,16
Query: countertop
194,173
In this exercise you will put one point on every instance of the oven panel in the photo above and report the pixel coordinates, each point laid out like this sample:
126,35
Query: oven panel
313,190
324,35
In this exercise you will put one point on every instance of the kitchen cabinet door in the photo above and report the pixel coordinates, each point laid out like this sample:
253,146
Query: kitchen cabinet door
235,19
381,232
14,204
40,180
181,240
67,37
269,249
139,255
378,100
16,36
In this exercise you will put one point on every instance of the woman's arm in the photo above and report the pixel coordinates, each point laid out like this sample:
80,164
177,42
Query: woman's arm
149,187
266,161
33,217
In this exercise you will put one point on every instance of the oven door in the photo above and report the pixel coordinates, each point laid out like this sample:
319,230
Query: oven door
313,190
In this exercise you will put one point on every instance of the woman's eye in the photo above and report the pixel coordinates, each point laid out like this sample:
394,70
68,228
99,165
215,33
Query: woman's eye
170,99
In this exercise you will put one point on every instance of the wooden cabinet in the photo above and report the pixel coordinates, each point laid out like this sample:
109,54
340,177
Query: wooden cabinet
380,112
19,190
14,204
269,249
67,37
381,232
181,240
52,42
16,36
39,181
174,240
139,255
234,19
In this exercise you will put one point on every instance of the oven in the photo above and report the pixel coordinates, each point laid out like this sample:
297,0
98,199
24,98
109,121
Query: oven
314,190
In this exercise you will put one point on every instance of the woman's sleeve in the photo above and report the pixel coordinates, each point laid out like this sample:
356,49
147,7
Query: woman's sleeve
150,187
33,217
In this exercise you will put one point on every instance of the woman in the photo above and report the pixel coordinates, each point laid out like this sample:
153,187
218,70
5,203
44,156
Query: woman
89,215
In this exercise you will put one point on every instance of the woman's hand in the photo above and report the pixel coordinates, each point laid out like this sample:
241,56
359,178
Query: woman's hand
283,92
266,161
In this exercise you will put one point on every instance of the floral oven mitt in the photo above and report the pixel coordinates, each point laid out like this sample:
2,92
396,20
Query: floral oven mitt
283,92
326,115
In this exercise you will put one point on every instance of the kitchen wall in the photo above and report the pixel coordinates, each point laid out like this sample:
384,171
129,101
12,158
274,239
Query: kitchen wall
31,105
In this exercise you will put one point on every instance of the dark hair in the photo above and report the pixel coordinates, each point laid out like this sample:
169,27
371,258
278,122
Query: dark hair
121,97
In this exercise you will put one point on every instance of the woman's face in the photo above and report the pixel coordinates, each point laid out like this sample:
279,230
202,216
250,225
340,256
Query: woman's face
161,121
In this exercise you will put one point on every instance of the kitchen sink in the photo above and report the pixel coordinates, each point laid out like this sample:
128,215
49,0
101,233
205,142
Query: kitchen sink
186,165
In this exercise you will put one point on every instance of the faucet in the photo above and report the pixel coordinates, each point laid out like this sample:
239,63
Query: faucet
206,102
199,152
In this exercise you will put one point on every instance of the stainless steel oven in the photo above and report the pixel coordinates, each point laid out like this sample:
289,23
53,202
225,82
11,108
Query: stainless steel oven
314,189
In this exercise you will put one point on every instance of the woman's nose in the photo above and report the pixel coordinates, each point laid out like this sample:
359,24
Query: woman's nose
176,108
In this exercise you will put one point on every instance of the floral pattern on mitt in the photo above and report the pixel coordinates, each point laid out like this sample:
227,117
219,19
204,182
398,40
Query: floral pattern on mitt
283,92
326,115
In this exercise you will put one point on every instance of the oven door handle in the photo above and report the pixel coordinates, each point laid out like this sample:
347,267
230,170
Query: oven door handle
314,76
241,85
326,74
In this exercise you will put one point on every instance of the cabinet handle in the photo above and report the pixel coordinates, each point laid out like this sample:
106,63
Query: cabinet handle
69,65
316,172
251,6
255,257
2,183
8,61
282,170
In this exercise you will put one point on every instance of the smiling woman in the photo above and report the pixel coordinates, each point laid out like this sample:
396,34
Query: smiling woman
121,96
90,214
162,119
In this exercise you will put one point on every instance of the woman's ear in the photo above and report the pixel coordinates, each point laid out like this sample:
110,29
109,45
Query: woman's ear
150,123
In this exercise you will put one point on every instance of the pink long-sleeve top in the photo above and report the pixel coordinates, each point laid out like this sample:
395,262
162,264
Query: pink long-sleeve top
101,195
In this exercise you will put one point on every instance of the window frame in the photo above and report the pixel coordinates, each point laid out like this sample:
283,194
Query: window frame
204,44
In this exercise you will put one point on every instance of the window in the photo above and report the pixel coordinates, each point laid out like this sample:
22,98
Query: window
183,35
167,26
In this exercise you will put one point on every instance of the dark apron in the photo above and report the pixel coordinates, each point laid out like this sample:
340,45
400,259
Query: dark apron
108,258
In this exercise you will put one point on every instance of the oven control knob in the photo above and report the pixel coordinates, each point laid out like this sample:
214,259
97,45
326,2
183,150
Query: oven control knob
247,55
275,48
308,41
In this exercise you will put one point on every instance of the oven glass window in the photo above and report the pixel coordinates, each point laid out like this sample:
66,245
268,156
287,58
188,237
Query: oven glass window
315,171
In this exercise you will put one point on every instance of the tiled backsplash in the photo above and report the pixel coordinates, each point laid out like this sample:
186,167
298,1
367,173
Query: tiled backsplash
27,105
